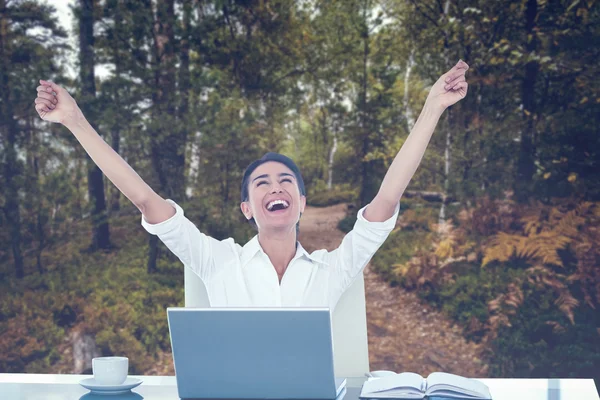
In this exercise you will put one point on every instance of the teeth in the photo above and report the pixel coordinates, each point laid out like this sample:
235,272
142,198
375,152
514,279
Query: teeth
271,204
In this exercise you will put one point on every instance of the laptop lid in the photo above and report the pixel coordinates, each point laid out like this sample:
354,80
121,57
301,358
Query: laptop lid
283,353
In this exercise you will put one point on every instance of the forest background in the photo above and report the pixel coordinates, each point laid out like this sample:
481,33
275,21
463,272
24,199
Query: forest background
498,228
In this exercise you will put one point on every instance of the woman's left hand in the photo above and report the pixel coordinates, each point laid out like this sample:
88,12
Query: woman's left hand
450,88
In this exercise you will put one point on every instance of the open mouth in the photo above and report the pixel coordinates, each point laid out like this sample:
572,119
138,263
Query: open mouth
277,205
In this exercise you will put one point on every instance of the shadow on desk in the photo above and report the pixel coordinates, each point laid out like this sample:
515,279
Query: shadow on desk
340,396
125,396
136,396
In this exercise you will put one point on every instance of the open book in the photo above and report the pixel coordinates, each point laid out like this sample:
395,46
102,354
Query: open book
408,385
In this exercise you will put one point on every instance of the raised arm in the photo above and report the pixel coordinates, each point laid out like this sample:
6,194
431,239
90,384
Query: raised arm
54,104
449,89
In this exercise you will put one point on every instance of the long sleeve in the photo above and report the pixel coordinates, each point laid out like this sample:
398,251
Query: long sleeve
195,249
356,250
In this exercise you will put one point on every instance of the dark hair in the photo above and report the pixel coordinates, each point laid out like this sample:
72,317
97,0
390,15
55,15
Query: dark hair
280,158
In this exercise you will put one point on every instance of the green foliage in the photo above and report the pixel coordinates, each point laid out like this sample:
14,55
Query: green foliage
466,293
29,338
346,224
112,298
306,78
533,348
419,218
557,243
522,279
320,196
400,247
332,197
409,241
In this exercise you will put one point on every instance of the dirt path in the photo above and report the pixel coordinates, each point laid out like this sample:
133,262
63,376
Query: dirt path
405,334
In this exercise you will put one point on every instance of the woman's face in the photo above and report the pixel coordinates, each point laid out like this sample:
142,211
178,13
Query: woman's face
274,199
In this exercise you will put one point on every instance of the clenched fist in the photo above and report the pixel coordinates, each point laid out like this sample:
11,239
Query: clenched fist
450,88
54,104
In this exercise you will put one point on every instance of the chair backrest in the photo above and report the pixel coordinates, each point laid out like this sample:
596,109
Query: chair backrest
350,345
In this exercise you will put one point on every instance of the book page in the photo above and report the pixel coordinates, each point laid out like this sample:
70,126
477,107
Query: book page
441,381
403,380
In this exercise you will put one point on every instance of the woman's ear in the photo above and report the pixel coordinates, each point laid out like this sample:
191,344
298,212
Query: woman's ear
302,203
245,207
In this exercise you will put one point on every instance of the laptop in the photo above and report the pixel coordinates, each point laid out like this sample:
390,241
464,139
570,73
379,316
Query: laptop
253,353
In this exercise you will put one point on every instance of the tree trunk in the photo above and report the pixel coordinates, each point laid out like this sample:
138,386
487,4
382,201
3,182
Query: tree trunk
184,66
100,229
331,156
194,164
447,150
525,163
151,265
447,162
167,153
8,133
115,200
115,203
184,74
36,201
366,184
78,206
167,141
410,119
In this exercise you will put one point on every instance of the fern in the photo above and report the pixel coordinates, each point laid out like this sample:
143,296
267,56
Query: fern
503,306
532,224
545,234
544,247
502,247
567,303
556,247
542,238
568,224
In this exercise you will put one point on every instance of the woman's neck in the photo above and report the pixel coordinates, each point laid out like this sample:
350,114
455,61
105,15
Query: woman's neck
280,247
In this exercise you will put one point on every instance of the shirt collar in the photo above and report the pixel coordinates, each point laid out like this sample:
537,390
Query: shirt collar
253,247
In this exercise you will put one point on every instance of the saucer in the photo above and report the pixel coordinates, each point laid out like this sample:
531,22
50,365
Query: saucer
97,388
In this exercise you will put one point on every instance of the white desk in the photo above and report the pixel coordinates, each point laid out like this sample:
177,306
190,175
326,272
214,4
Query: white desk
66,387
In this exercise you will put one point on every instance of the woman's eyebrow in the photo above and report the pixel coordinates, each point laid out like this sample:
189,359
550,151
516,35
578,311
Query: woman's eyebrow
260,176
266,176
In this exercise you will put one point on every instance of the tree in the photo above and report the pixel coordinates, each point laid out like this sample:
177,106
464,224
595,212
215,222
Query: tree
21,50
88,104
247,57
9,135
358,55
525,163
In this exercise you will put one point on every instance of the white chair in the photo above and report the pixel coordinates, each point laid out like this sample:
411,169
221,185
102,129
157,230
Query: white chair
350,354
350,345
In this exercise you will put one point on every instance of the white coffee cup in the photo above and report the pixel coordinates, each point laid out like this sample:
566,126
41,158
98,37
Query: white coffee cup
110,370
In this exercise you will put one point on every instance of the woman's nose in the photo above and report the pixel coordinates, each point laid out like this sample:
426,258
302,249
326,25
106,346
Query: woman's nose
276,188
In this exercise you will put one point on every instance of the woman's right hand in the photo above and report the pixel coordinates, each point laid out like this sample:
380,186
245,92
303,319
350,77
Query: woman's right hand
55,104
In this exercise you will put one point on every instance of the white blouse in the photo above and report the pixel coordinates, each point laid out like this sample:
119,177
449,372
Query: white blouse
244,276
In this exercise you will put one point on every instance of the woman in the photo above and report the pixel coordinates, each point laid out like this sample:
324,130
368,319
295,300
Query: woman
272,269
